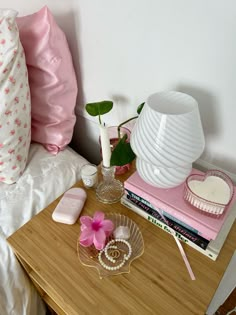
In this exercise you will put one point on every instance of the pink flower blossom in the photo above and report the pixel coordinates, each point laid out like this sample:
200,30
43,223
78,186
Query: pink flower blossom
11,151
17,122
16,99
95,230
8,112
12,79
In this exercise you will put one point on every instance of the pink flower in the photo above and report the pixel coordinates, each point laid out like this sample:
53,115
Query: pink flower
95,230
17,122
16,99
12,79
8,112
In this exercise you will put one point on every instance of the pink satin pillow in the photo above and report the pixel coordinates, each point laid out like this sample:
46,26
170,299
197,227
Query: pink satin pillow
52,80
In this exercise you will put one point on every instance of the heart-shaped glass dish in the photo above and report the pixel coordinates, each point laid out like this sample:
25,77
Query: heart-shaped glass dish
210,193
88,256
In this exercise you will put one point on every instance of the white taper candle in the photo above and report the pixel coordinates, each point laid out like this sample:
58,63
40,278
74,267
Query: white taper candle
105,144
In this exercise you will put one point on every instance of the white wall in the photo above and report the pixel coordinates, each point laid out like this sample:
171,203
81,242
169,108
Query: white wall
125,50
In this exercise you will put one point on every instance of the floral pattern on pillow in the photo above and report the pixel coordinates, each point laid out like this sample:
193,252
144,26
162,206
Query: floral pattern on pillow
15,108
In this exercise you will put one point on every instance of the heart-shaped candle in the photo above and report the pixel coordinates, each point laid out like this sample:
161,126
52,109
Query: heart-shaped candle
211,192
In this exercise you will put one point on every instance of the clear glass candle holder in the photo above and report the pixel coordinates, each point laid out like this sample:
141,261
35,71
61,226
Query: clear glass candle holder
109,190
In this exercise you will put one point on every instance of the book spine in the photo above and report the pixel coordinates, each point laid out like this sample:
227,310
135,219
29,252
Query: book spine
204,231
167,215
195,238
164,227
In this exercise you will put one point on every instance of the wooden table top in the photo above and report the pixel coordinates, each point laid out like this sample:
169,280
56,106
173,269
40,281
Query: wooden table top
158,282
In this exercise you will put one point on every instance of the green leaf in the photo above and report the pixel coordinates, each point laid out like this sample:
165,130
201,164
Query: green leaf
140,107
99,108
122,153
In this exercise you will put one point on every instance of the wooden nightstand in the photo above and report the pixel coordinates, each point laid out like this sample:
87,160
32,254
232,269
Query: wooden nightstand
157,284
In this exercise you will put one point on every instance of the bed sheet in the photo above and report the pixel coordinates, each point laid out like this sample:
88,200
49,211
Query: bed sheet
45,178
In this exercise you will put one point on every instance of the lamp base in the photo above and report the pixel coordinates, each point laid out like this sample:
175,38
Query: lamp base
162,177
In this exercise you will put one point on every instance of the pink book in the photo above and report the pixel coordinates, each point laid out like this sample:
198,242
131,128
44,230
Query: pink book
172,203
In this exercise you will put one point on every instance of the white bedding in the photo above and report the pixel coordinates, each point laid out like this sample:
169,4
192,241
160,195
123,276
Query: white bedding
45,178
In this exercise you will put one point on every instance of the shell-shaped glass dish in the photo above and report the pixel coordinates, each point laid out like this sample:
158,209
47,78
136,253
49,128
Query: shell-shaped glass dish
88,256
206,206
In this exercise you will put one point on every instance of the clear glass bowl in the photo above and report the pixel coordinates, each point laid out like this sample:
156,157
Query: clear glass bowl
88,256
209,207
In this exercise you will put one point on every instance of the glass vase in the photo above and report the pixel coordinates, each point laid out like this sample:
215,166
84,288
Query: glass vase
109,190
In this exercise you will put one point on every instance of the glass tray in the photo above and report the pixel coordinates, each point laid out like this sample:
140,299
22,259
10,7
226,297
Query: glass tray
88,256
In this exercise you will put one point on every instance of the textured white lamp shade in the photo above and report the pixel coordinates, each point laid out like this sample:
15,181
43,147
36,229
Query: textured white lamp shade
167,138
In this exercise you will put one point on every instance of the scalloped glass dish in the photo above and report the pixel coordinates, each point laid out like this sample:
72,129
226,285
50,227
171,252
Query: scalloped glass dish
209,206
88,256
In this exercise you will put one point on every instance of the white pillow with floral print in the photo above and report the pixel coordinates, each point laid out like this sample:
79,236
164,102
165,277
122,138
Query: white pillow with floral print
15,115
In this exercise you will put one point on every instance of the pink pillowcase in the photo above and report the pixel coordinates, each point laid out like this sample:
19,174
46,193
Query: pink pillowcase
52,80
15,113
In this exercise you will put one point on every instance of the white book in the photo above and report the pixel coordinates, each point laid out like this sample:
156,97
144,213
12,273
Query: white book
214,247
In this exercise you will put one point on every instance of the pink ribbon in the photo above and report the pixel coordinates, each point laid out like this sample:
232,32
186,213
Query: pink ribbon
182,252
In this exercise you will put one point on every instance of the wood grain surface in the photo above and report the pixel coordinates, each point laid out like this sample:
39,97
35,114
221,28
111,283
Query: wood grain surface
158,282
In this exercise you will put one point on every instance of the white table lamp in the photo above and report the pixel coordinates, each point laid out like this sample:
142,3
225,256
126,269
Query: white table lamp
167,138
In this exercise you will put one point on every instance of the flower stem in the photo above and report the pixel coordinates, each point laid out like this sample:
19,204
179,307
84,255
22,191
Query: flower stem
123,123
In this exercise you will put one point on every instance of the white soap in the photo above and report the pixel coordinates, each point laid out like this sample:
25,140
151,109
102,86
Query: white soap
70,206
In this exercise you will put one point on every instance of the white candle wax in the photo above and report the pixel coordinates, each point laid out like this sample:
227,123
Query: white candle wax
105,144
89,175
214,189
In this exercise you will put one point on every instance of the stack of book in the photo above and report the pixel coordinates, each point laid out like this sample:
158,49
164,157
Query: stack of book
167,209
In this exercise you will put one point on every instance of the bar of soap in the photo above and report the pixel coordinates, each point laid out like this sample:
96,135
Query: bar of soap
122,232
